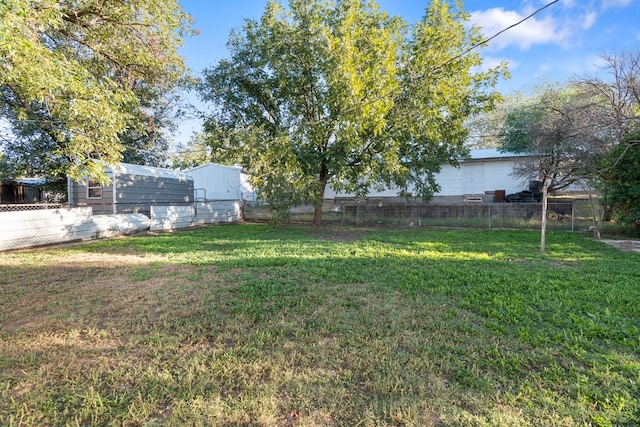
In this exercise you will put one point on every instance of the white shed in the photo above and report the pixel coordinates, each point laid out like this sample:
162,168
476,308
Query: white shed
212,181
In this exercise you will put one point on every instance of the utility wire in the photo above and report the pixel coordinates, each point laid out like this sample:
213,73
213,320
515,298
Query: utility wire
497,34
475,46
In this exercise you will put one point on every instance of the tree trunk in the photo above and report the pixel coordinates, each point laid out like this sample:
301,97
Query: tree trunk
543,224
595,211
317,215
317,208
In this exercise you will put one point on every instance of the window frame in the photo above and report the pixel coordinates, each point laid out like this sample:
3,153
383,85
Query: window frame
94,189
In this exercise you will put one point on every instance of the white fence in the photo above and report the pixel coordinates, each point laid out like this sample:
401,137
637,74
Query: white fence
50,226
172,217
23,229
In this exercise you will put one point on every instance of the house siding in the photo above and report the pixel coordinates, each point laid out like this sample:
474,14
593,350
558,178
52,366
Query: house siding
486,172
100,206
136,190
136,193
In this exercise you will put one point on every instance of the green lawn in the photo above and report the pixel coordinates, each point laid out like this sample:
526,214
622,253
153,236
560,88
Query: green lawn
255,325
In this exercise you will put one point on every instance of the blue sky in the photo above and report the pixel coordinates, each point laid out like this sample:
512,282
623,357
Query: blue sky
566,39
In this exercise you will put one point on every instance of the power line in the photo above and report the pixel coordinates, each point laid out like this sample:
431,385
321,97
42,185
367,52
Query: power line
475,46
497,34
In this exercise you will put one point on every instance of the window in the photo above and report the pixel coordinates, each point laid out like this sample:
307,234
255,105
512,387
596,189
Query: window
94,189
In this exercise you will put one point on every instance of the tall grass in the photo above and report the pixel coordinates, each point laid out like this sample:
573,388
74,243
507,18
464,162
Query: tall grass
294,326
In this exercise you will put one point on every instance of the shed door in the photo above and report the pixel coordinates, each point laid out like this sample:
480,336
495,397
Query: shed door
473,179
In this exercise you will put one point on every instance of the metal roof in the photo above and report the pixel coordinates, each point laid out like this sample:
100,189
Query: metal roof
30,181
130,169
492,153
213,165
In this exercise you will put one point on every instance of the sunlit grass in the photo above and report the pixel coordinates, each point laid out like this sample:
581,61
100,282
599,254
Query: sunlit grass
261,325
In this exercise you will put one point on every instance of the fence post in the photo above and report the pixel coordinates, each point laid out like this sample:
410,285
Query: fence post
489,205
573,215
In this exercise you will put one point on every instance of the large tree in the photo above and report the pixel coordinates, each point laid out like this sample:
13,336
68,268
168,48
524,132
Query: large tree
339,93
85,80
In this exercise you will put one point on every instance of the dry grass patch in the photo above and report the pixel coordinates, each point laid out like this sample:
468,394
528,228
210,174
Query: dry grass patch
264,326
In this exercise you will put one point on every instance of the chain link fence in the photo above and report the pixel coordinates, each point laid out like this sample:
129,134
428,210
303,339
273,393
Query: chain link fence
34,225
567,216
19,207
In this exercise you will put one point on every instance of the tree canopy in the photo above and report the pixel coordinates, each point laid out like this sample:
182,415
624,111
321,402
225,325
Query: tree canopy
342,94
551,127
84,80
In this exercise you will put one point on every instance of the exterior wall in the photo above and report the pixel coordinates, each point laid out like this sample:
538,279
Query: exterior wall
137,188
137,193
199,213
216,212
78,197
501,178
25,229
43,227
171,217
247,192
476,176
216,182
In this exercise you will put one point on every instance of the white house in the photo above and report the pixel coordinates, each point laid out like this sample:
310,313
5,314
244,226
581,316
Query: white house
485,172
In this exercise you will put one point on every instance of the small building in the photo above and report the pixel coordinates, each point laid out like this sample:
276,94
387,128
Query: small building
22,191
485,172
212,181
476,178
132,189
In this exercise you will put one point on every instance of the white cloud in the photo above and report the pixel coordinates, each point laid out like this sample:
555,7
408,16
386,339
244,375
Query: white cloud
588,20
530,32
573,66
608,4
593,64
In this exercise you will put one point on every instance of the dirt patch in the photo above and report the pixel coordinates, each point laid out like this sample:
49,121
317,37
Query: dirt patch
626,245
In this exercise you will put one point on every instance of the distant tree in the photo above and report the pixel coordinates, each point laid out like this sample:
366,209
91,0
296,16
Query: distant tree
5,171
341,94
196,152
484,128
584,133
622,188
615,127
83,80
554,129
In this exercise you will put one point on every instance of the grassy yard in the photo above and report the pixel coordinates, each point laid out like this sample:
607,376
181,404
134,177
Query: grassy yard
254,325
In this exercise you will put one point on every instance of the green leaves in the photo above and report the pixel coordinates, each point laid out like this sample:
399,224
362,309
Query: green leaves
359,100
80,75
